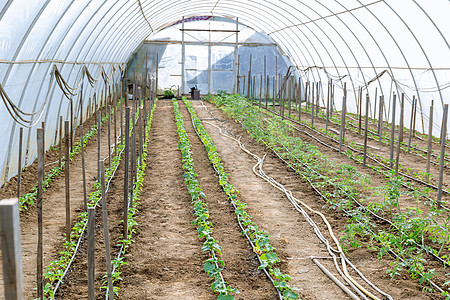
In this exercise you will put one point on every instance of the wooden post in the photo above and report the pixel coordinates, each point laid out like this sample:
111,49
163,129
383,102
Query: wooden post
11,249
126,173
391,153
39,264
60,139
380,117
442,156
260,91
99,120
375,106
344,108
360,110
254,87
312,104
67,179
19,162
83,169
289,96
274,96
267,90
141,135
332,97
414,122
366,129
106,232
71,125
318,84
400,133
430,138
115,124
400,136
413,109
328,107
91,252
89,114
249,77
109,135
133,159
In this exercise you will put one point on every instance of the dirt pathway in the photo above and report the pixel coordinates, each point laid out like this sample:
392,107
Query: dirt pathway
241,270
290,233
166,262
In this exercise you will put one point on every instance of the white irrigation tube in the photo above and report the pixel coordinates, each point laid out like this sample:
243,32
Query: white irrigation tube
290,196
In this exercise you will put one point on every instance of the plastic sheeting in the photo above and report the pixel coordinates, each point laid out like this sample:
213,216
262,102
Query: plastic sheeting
164,50
350,41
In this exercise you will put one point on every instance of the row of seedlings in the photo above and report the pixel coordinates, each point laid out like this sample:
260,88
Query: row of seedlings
343,187
424,178
133,204
214,265
259,239
57,269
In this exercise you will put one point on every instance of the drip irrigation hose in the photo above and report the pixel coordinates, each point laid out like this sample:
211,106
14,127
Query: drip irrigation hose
292,199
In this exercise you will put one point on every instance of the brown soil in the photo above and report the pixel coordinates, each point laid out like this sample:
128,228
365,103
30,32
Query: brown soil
76,285
54,211
166,262
241,269
290,233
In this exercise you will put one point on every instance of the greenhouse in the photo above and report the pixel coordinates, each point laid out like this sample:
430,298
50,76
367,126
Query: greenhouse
277,149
